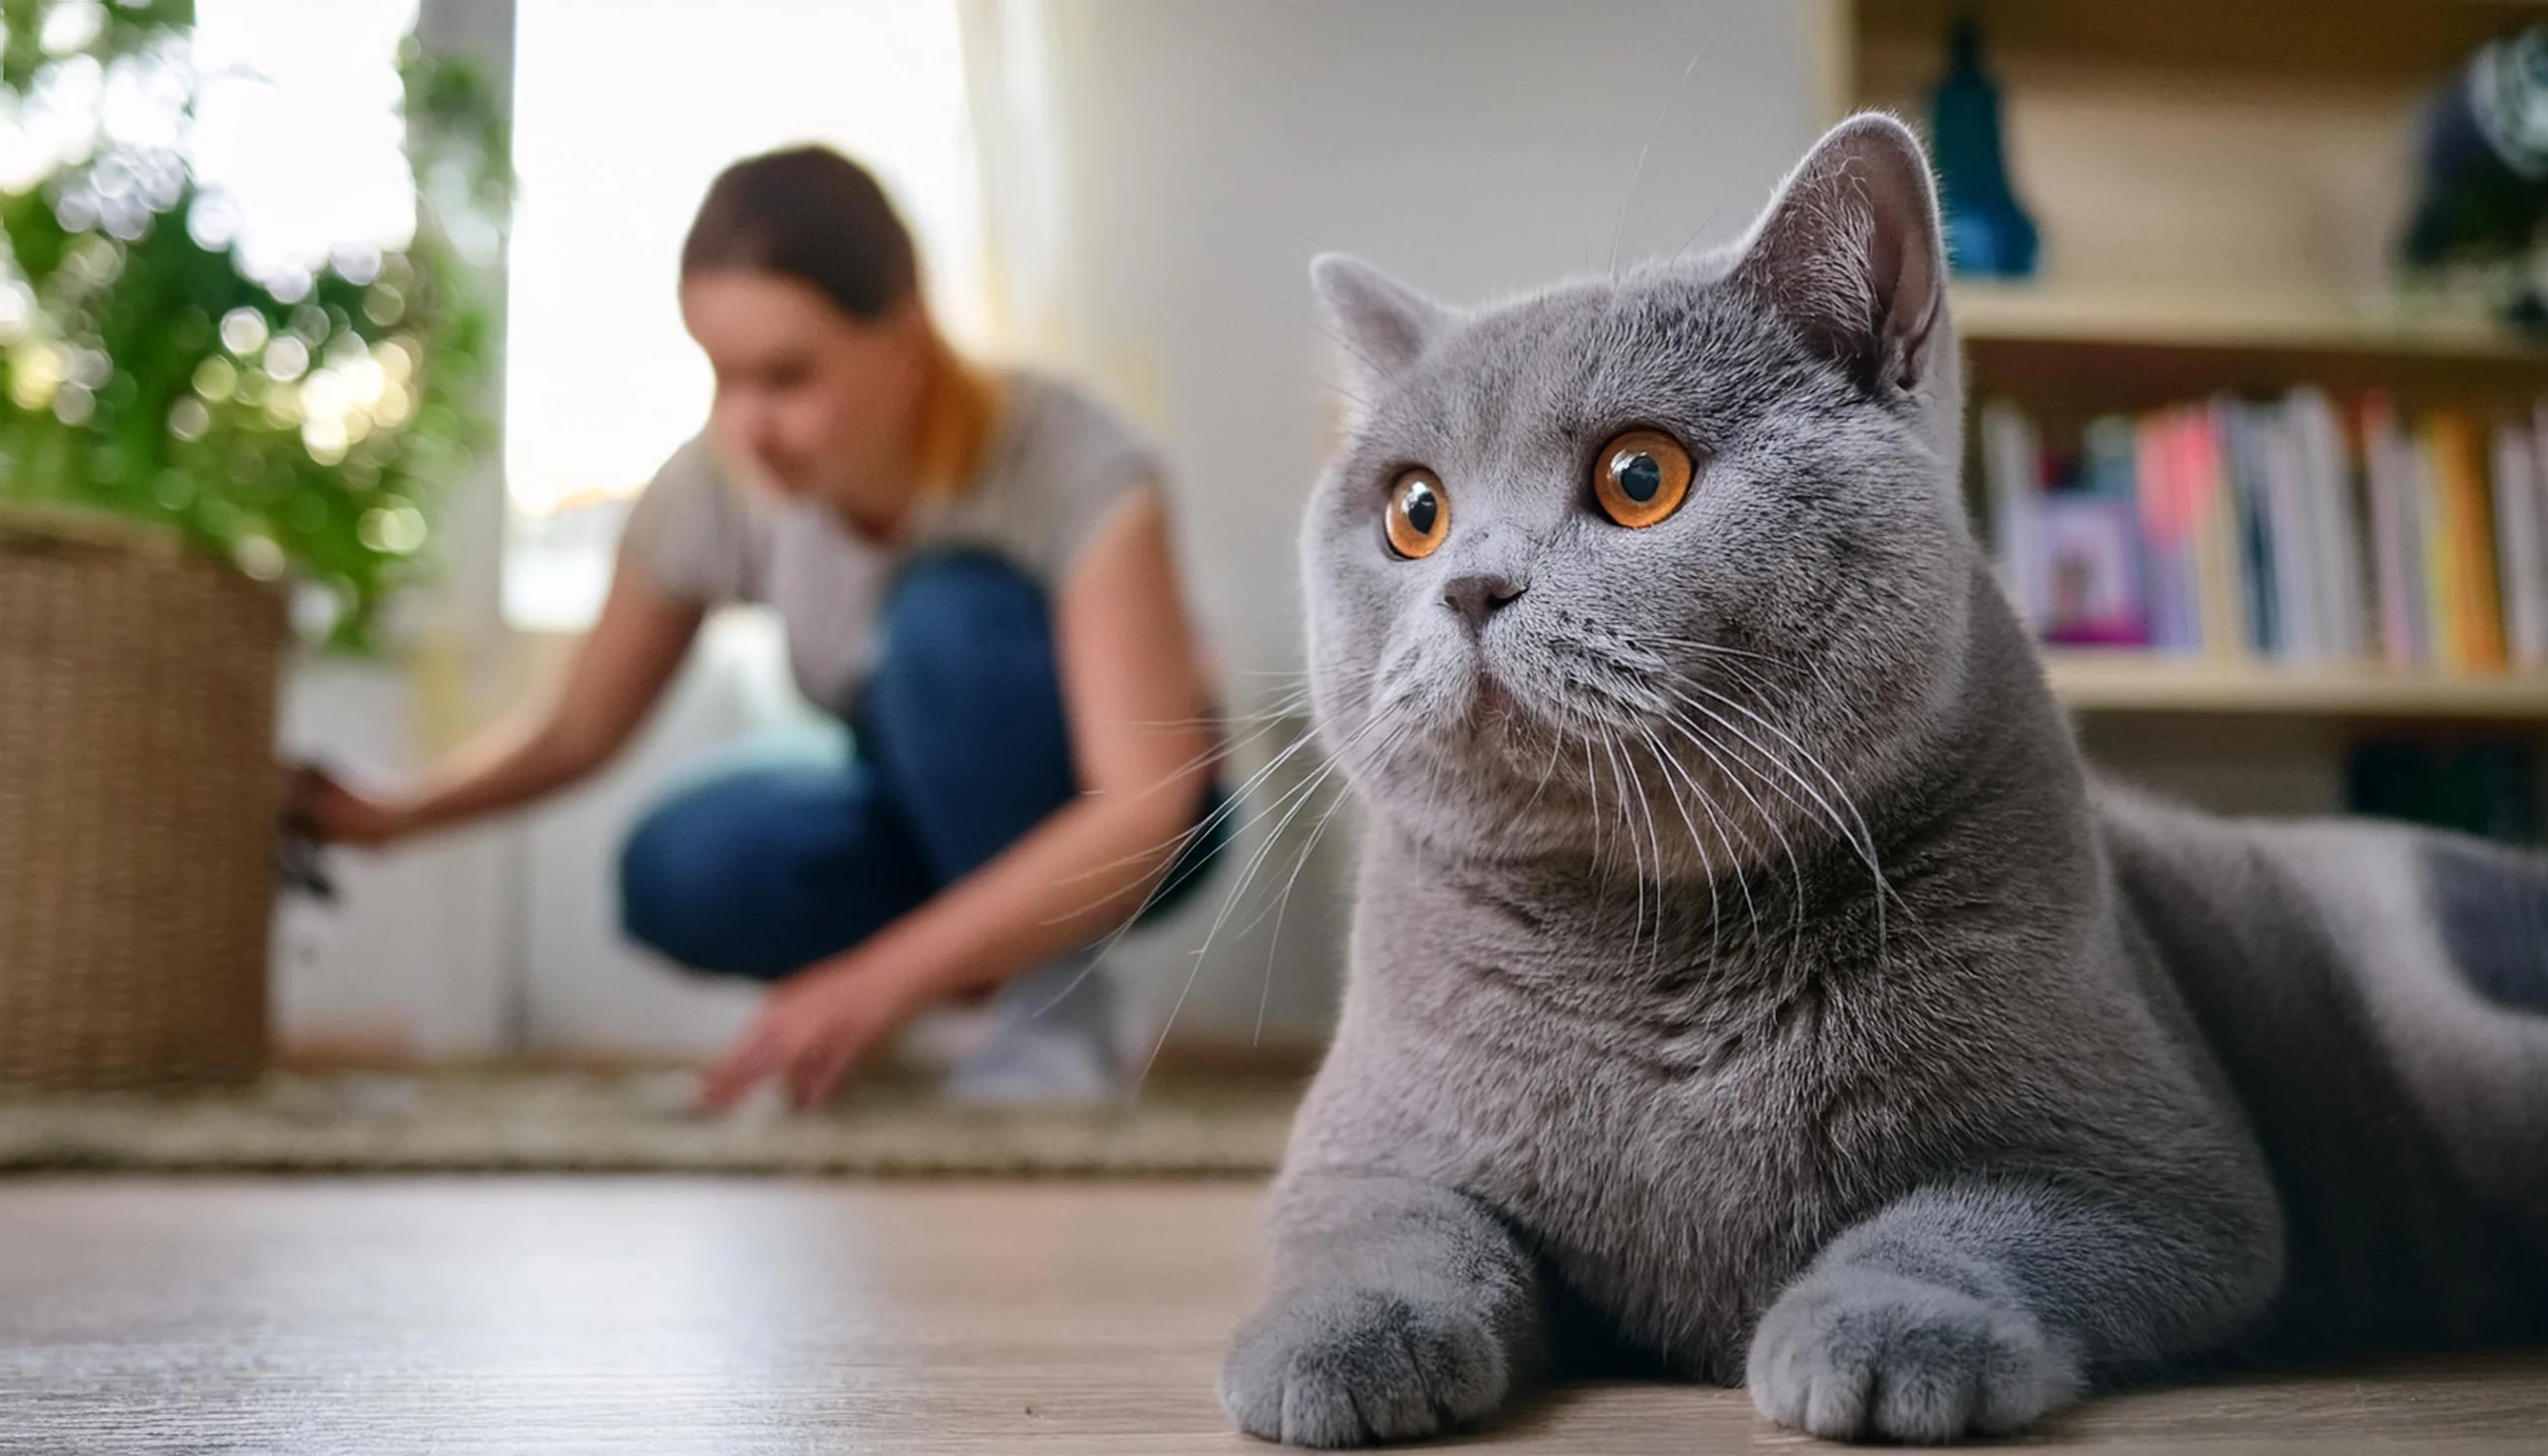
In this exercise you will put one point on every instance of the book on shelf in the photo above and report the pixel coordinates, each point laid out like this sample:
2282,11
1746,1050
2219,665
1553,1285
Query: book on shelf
2296,530
2521,540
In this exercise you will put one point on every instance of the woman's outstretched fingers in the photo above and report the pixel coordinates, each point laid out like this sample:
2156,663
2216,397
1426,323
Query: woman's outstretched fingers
818,1071
743,1067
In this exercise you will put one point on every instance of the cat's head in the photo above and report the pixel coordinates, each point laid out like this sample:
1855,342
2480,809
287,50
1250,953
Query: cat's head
1677,556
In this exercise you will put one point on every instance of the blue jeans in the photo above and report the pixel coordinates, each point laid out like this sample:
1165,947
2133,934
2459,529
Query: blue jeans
963,746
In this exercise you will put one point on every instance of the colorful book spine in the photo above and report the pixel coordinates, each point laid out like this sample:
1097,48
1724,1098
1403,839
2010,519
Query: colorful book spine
2011,469
2244,441
2522,564
2481,603
2522,504
2462,560
2166,529
2292,531
2446,639
2389,473
2222,579
2329,495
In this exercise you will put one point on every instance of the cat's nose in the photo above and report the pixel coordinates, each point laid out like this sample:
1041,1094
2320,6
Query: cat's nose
1478,595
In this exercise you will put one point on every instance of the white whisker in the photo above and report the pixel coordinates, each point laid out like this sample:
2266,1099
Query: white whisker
1795,867
1863,842
1734,853
1296,797
1707,868
1645,807
1627,830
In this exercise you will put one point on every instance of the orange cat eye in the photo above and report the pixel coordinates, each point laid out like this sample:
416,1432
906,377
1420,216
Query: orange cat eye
1642,477
1420,514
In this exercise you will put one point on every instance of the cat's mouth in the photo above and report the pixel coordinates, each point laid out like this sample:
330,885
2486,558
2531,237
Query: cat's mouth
1491,703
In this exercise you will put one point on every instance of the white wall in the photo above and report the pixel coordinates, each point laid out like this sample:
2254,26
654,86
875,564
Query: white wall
1211,148
418,955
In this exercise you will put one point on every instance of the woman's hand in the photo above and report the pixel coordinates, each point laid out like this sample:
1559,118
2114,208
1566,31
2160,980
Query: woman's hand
617,675
332,814
811,1030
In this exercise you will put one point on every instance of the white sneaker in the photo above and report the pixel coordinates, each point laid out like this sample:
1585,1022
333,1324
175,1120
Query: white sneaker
1053,1040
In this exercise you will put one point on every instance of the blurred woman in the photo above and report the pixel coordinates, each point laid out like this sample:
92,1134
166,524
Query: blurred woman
974,570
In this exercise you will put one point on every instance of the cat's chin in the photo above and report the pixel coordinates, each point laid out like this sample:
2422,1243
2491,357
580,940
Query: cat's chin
1494,710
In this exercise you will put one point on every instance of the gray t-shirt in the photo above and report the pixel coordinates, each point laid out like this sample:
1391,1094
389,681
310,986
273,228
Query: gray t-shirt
1057,463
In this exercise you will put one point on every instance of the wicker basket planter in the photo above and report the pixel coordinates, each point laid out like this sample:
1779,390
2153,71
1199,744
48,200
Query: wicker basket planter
137,809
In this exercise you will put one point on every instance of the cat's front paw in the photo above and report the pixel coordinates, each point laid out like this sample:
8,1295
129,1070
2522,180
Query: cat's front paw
1349,1367
1862,1355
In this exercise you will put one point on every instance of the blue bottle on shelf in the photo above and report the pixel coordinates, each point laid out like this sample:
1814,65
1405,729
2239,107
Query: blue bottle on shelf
1987,231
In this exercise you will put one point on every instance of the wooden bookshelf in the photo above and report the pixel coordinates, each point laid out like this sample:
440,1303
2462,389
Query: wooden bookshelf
2396,328
2098,681
2369,45
2072,350
2220,185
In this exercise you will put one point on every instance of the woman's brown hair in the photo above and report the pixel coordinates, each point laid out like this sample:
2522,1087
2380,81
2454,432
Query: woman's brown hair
810,214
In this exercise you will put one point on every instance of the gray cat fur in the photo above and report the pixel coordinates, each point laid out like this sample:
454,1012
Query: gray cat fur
1642,1065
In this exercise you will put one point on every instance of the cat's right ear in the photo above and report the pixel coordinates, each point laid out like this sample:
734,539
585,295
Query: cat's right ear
1851,251
1384,324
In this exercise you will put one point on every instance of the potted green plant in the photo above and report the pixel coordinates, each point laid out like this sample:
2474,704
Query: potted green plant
181,445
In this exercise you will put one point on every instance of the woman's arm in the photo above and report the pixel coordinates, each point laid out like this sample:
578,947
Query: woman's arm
1133,689
618,673
1134,693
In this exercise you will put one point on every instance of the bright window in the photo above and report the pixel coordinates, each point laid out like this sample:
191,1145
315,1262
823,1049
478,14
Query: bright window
298,129
623,111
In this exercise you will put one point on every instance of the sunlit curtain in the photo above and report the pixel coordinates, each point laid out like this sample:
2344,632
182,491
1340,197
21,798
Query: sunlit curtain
1020,136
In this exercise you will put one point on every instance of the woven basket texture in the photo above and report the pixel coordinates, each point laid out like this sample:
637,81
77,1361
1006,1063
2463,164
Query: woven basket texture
137,809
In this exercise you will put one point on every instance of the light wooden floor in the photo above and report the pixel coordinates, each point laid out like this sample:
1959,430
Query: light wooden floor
675,1316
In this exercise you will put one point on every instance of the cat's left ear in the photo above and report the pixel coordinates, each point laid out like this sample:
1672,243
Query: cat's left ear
1850,249
1384,324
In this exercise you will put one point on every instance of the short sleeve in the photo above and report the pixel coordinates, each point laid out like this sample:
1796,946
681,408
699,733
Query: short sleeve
688,531
1095,459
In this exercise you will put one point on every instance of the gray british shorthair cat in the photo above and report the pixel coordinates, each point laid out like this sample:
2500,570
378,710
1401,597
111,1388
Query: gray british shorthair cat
1749,981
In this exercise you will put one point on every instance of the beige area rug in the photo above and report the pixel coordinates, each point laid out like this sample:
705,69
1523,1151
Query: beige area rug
552,1121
